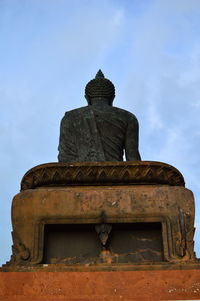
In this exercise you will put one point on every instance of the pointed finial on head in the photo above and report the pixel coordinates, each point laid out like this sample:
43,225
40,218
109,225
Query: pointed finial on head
99,74
100,87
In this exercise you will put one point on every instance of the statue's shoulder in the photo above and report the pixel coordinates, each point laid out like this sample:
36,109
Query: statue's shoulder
76,111
72,115
126,114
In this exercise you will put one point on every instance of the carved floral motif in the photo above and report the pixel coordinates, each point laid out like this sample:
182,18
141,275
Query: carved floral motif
20,254
102,173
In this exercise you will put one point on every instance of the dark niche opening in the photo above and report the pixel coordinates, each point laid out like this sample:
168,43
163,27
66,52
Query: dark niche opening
70,243
137,242
80,244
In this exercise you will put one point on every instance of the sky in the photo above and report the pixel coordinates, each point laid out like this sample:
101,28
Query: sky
50,49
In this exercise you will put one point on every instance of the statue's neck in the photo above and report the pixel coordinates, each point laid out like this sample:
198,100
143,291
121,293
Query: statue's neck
99,102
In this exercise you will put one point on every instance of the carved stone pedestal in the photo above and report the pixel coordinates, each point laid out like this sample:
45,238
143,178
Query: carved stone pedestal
106,215
102,231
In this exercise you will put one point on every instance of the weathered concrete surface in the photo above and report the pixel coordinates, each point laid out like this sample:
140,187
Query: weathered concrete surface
145,204
98,286
81,205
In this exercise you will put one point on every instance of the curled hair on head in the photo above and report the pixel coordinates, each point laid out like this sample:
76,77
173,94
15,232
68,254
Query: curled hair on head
100,87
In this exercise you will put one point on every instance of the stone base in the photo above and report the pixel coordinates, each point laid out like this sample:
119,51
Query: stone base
102,213
98,286
130,210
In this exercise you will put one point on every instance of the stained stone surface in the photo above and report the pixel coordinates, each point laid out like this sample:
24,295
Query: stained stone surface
117,223
98,286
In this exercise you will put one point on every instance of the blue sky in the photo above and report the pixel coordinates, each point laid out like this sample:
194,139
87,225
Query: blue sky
50,49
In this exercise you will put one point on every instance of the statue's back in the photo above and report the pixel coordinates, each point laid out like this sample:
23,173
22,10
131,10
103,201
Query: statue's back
99,131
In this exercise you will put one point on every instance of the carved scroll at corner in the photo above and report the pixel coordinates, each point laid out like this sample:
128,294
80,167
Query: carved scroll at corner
20,253
190,230
184,243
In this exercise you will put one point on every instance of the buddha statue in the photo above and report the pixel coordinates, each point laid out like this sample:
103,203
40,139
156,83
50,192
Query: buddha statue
102,215
98,132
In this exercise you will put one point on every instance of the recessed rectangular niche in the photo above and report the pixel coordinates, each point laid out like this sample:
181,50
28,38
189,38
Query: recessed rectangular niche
137,242
70,243
80,244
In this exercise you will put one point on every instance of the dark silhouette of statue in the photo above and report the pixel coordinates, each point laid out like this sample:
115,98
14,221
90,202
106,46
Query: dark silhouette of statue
99,131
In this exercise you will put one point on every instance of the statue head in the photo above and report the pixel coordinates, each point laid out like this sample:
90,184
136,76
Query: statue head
100,88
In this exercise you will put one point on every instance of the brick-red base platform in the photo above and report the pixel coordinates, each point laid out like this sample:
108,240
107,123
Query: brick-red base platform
98,286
